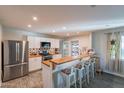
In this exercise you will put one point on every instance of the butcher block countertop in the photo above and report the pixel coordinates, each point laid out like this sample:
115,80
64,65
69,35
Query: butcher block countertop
46,62
34,56
67,59
64,60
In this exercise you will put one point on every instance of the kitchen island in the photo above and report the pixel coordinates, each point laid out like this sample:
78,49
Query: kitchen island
51,69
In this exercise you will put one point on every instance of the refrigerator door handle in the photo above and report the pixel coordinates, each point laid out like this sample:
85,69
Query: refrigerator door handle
13,65
16,52
16,65
23,50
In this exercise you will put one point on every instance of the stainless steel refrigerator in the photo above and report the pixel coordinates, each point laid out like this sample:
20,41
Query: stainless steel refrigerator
15,59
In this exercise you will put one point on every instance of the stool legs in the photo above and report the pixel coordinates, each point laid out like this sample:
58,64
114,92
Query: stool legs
68,81
75,81
80,81
88,81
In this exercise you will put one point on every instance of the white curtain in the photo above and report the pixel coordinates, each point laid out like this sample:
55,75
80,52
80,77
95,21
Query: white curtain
115,53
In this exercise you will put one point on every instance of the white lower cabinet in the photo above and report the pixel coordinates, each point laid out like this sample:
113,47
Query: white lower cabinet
34,64
57,56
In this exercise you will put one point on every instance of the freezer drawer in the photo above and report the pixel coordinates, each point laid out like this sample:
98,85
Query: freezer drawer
14,71
25,69
11,72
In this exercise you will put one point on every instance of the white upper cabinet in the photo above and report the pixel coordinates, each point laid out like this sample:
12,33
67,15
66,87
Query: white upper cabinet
55,43
42,39
31,41
37,42
34,42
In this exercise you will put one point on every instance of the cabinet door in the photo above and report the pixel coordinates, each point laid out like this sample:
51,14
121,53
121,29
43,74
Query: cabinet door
11,72
34,42
55,43
52,43
42,39
37,42
34,64
31,65
31,41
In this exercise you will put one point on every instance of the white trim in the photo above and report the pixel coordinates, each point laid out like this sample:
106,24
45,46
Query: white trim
113,73
0,53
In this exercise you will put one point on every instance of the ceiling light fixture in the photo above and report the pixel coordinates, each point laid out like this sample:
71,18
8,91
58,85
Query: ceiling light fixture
53,31
68,34
77,32
107,25
29,26
92,6
35,18
64,28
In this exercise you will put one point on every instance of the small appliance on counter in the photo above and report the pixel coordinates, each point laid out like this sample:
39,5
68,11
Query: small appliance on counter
15,59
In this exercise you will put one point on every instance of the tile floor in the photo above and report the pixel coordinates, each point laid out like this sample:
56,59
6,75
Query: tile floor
34,80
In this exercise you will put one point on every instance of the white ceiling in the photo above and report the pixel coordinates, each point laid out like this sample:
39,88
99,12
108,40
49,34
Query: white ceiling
74,18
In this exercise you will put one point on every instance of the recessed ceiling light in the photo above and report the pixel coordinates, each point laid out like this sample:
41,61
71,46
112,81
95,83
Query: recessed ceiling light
77,32
29,26
107,25
35,18
53,31
68,34
93,6
64,28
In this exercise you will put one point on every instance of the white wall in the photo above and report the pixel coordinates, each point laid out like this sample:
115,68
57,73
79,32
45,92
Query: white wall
0,51
99,44
84,41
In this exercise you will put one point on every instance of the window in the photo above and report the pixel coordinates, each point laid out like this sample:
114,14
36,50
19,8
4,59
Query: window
122,47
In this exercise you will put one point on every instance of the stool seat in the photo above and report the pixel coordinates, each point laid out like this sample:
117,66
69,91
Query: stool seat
79,66
67,71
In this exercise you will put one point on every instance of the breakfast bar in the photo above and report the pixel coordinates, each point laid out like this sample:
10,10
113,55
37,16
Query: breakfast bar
51,69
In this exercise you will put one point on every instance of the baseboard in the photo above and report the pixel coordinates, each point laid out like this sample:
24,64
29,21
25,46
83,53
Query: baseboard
35,70
112,73
0,78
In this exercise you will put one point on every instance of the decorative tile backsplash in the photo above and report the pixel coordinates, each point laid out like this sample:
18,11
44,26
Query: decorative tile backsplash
39,50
